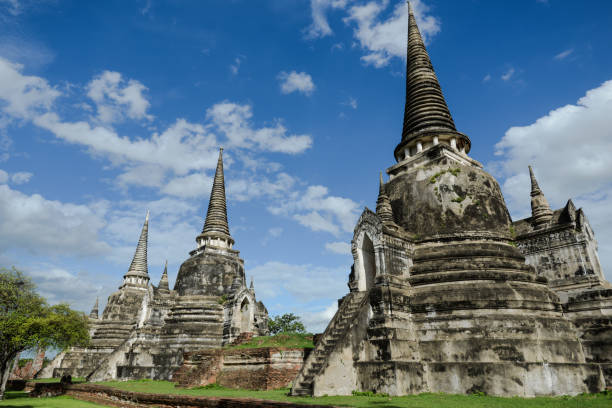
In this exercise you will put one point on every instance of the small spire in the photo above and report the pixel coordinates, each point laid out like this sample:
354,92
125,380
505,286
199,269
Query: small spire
426,113
94,312
540,210
138,267
535,188
216,224
252,286
163,282
383,206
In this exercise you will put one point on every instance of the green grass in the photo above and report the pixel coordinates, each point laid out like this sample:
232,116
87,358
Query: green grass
412,401
297,340
75,380
21,399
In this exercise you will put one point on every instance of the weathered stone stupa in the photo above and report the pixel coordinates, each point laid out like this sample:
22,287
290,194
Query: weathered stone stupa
441,299
144,330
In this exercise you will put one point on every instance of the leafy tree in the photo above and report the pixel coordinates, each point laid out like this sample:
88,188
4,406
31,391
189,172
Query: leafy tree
27,321
287,323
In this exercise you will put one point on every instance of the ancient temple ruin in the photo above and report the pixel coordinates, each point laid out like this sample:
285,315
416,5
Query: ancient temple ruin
561,244
447,294
144,329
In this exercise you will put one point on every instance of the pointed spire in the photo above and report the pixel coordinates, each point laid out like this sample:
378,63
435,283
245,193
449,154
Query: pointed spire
163,282
94,312
535,188
138,267
426,113
216,217
540,210
252,286
383,206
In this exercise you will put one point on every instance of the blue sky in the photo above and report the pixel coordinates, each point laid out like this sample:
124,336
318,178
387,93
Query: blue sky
111,108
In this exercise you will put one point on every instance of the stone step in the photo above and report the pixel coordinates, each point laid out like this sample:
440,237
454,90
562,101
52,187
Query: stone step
301,391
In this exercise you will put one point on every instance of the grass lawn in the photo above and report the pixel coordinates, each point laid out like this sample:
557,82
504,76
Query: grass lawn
297,340
21,399
75,380
413,401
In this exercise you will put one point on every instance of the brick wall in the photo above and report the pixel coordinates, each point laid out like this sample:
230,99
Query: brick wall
253,369
118,398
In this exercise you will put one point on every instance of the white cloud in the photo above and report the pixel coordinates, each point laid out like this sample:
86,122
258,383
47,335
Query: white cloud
21,177
569,149
249,186
564,54
57,285
317,321
4,176
304,282
296,82
193,185
506,76
42,226
352,102
235,66
115,99
317,210
343,248
383,39
182,147
234,121
176,160
13,6
24,96
486,78
275,232
320,26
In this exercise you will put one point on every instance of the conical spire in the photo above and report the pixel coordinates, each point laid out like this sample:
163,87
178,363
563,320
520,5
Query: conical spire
138,267
252,286
383,206
425,113
94,312
540,210
163,282
216,216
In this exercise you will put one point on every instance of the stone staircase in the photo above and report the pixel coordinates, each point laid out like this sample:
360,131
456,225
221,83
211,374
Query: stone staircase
335,331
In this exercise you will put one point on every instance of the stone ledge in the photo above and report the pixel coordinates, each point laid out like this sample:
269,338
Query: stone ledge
119,398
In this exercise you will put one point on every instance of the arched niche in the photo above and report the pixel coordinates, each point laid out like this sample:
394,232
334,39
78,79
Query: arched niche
245,315
367,264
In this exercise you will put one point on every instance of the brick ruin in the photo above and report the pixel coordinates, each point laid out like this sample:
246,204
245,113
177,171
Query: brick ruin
266,368
145,329
447,294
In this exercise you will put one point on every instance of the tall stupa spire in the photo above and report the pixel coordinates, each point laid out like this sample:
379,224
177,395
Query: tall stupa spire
138,267
540,209
216,229
427,119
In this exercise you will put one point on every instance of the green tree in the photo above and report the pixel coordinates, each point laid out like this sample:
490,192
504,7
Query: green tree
287,323
27,321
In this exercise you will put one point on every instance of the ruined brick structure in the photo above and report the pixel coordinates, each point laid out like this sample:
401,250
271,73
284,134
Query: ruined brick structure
145,329
267,368
441,297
